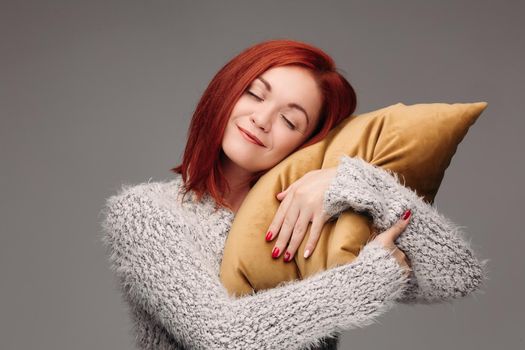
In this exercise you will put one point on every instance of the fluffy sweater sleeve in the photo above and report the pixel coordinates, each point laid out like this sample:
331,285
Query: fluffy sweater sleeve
444,264
162,272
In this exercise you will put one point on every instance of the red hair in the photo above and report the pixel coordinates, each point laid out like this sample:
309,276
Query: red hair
201,169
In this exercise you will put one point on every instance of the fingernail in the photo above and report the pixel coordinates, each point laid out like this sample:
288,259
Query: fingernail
407,214
275,252
269,236
287,256
306,253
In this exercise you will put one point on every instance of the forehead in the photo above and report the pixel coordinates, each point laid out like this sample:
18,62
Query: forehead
290,74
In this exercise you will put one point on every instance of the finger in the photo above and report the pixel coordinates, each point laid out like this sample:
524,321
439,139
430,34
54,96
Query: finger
313,238
397,253
298,233
408,267
286,230
395,231
408,262
283,194
275,226
373,233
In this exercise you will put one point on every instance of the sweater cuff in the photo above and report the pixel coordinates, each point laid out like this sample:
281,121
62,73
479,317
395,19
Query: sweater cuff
383,262
354,186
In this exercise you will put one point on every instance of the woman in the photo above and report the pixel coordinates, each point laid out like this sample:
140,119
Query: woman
165,239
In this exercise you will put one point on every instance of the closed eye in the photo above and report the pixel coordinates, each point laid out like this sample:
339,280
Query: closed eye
289,123
255,96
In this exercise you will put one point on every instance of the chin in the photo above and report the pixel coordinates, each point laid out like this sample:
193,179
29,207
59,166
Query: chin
242,160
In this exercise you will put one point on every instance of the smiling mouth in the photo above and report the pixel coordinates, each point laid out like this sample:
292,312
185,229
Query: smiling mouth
250,138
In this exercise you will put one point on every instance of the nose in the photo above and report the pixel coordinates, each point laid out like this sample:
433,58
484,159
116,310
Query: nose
262,119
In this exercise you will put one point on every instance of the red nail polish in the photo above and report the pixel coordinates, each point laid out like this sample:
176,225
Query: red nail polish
407,214
287,256
275,252
269,236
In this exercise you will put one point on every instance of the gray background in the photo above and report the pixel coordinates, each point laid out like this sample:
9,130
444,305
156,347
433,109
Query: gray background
97,93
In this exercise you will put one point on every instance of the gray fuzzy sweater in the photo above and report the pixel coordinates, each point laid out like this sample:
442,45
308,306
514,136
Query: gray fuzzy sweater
166,256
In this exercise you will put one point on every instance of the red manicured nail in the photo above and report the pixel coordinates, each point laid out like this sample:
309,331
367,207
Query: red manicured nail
269,236
275,252
287,256
407,214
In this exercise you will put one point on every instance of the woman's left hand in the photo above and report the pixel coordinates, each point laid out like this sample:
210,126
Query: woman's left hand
301,203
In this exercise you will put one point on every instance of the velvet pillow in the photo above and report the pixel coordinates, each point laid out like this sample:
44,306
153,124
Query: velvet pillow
416,141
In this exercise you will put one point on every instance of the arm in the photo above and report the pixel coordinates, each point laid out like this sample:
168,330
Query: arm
161,271
444,265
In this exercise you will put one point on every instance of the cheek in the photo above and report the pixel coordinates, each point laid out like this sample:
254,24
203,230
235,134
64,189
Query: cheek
285,141
241,107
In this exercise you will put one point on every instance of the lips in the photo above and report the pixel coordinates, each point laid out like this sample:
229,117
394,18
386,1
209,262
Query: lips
251,136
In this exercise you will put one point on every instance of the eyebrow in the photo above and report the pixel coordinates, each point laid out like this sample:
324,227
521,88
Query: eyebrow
291,105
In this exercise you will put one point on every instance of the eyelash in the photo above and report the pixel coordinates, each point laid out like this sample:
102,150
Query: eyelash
290,124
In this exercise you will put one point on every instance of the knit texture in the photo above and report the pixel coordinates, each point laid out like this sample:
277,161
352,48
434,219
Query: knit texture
166,254
444,264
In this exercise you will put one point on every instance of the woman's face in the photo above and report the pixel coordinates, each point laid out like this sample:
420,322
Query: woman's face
281,108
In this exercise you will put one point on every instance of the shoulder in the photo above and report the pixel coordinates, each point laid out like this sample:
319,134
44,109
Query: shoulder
164,193
141,205
148,189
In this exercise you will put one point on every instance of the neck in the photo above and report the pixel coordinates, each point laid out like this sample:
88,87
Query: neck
238,180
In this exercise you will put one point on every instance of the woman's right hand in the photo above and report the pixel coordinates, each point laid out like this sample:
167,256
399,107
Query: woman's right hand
387,238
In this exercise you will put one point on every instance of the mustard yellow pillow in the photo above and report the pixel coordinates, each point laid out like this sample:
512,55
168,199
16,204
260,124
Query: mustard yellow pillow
415,141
